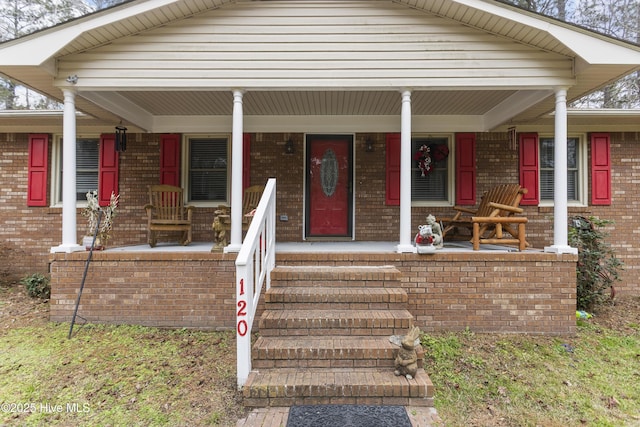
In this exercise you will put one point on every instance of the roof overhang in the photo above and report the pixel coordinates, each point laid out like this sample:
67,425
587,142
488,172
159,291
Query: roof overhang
598,60
584,121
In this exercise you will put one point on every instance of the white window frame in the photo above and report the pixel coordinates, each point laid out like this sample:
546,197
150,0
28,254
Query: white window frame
56,169
451,173
583,170
185,167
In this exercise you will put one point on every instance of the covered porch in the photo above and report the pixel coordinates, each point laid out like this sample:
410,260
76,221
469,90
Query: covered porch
352,68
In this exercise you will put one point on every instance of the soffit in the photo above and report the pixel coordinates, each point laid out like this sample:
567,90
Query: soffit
322,103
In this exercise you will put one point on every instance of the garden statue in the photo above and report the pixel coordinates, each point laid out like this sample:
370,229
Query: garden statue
407,358
219,232
429,237
436,231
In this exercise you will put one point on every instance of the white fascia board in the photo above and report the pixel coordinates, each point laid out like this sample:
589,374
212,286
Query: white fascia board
46,121
222,124
121,107
41,114
585,120
573,127
34,49
603,112
594,48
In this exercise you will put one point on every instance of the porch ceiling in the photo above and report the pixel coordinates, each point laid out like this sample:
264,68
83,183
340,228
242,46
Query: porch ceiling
316,103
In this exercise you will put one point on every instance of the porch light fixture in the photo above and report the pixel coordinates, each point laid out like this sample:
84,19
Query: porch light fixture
121,138
288,147
369,145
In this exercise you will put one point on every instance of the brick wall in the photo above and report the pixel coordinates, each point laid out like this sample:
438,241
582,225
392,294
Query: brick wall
27,233
193,290
268,160
509,293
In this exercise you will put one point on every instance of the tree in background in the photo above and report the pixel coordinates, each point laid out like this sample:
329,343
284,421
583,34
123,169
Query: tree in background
619,19
22,17
102,4
555,8
615,18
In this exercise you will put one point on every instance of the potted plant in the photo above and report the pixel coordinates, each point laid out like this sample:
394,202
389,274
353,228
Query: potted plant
104,215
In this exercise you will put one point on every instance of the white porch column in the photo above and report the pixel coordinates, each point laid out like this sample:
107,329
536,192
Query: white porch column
560,209
405,175
69,233
236,174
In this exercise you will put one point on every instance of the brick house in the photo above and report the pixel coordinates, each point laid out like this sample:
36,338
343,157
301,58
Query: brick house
218,95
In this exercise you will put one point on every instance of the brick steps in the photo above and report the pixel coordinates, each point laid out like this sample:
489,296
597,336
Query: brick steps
307,298
324,339
329,276
334,322
316,352
320,386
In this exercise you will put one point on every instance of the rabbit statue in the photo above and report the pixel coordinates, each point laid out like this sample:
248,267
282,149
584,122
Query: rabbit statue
407,358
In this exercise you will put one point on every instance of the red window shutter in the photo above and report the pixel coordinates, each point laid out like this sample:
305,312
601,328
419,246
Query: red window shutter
465,169
246,161
38,170
170,159
393,169
529,171
600,169
108,169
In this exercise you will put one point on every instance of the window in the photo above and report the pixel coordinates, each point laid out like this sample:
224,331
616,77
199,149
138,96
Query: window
87,164
430,177
575,169
97,168
87,167
208,171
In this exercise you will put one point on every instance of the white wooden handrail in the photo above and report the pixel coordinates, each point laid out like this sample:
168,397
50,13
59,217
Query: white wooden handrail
254,263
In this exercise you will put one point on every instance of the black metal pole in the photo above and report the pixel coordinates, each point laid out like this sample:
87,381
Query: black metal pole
84,275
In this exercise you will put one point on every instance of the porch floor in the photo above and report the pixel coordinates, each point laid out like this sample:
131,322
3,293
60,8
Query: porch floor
323,247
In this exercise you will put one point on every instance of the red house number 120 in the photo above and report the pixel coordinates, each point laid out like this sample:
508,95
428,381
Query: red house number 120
242,312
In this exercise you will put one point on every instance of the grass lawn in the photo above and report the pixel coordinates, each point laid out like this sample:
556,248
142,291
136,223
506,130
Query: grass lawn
111,375
591,379
138,376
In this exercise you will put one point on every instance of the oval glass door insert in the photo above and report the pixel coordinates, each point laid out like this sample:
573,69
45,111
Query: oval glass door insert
329,172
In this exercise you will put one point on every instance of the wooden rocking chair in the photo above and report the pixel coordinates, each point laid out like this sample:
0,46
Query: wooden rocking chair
166,212
494,217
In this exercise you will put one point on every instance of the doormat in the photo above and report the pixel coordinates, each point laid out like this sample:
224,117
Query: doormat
348,416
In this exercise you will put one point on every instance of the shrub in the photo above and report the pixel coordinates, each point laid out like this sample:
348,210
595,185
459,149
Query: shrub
37,285
598,267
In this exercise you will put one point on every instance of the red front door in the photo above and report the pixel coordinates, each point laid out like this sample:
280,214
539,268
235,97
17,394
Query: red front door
329,175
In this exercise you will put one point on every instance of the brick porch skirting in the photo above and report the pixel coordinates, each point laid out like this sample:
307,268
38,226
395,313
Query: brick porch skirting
511,292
